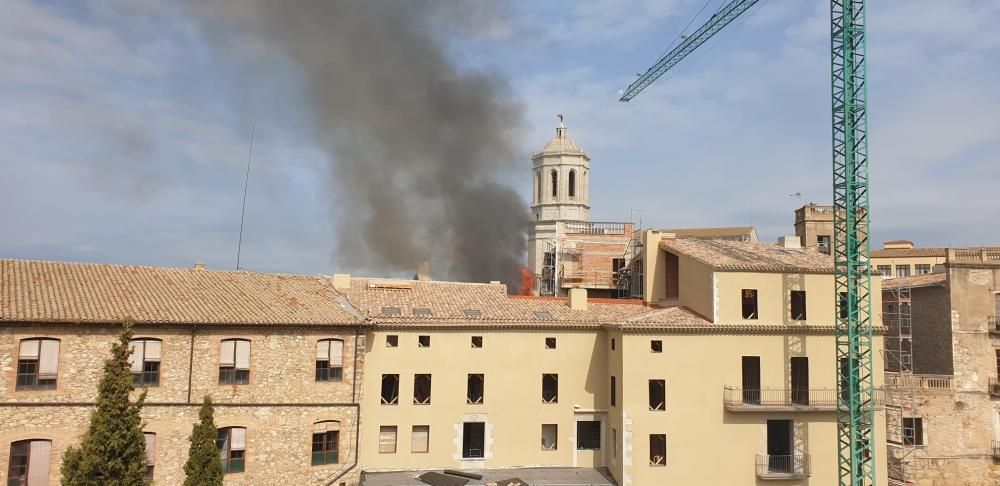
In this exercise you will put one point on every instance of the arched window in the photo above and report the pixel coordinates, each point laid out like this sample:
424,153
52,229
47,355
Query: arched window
234,362
232,445
325,442
538,187
145,361
555,184
29,462
37,364
572,184
329,360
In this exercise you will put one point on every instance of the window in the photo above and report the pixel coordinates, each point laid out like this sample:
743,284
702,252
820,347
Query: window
473,439
150,455
329,360
555,184
550,437
422,312
37,364
842,312
657,449
588,435
798,305
391,341
390,389
656,346
572,184
751,380
902,270
423,341
420,438
800,380
614,442
614,392
387,439
391,311
823,243
145,362
913,431
617,265
657,394
232,444
538,187
922,268
550,388
422,389
325,443
749,303
477,341
612,344
885,270
472,312
234,362
474,389
550,343
29,463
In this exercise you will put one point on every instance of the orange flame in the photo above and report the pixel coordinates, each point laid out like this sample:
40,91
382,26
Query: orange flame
527,281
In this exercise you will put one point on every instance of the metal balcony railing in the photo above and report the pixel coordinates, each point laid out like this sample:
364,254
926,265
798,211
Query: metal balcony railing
739,399
994,324
782,467
996,449
994,387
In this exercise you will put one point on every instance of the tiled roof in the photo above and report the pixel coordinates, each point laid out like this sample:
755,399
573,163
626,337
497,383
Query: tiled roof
724,232
909,252
751,257
452,304
39,291
926,280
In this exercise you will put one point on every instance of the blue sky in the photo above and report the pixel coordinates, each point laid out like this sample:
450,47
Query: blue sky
125,142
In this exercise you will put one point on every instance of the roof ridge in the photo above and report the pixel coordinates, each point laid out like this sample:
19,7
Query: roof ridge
157,267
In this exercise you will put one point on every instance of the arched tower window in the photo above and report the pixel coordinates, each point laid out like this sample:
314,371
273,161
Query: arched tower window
572,184
538,187
555,184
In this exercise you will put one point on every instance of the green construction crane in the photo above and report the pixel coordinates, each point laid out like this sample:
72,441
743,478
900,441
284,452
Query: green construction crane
855,397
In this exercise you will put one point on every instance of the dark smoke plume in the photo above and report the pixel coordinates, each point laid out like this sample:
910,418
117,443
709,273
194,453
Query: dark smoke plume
420,147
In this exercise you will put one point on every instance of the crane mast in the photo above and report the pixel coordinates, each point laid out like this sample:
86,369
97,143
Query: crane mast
851,249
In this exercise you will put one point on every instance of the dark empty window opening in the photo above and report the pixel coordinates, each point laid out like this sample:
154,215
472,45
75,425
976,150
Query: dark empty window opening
657,394
749,303
474,389
422,389
798,305
550,343
473,439
588,435
422,312
823,243
614,392
472,312
390,389
391,341
913,431
550,388
612,344
572,183
391,311
656,346
672,276
543,314
555,184
658,449
922,268
800,380
842,306
477,341
423,341
751,379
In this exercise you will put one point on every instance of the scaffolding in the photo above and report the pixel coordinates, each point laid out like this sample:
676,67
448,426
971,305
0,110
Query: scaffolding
900,387
628,277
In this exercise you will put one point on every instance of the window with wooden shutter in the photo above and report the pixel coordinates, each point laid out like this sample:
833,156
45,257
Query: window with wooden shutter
145,361
387,439
326,443
420,438
232,443
150,455
28,463
234,362
329,360
37,364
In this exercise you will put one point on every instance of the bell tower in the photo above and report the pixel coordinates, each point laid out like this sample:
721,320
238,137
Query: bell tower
561,173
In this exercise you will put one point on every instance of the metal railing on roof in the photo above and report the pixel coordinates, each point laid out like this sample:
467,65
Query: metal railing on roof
597,228
931,382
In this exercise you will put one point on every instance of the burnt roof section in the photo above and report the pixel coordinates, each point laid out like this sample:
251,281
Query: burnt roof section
740,256
44,291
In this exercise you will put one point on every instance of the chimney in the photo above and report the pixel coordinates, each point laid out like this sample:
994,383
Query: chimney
199,265
790,242
341,281
578,299
423,271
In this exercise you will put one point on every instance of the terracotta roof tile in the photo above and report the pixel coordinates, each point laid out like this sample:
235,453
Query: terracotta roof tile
37,291
909,252
926,280
722,232
751,257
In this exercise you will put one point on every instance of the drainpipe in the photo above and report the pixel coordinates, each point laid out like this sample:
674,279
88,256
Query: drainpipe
357,413
191,362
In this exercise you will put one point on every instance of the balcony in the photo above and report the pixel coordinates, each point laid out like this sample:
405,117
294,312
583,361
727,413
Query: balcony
588,228
996,449
995,387
924,382
738,399
782,467
993,323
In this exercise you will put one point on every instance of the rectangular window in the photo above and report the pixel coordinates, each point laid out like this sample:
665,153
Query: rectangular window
902,270
232,443
913,431
588,435
329,360
420,438
884,270
550,343
234,362
612,344
422,389
37,364
390,389
800,380
144,362
550,388
387,439
823,243
477,341
476,383
325,443
391,341
550,437
614,442
150,456
473,440
423,341
614,392
751,380
779,446
617,265
922,268
657,449
29,463
842,306
749,303
657,394
798,299
656,346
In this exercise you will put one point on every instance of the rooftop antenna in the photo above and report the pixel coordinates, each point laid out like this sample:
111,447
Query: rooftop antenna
246,183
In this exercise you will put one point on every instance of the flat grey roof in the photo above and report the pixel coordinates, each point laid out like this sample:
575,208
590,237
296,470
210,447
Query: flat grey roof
541,476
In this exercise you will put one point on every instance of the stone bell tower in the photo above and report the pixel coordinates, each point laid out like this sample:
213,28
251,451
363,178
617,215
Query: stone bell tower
561,173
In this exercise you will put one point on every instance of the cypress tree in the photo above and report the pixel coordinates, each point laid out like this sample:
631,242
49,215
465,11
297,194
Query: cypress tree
203,467
113,450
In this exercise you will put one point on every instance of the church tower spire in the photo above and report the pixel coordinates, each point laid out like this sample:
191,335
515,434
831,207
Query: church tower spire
561,172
